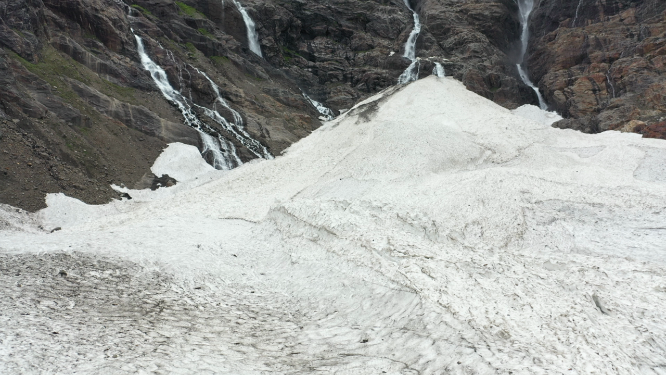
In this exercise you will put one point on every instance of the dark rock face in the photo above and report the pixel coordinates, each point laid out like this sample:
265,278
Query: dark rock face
79,112
479,39
343,50
602,64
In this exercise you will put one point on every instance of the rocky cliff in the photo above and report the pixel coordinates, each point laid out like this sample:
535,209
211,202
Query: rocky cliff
602,63
79,111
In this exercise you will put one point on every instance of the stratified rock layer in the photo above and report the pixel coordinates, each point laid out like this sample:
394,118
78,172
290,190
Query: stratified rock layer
602,64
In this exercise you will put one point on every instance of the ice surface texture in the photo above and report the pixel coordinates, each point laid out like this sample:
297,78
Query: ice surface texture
427,230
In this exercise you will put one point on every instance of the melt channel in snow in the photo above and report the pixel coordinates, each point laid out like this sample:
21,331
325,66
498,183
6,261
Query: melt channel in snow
428,230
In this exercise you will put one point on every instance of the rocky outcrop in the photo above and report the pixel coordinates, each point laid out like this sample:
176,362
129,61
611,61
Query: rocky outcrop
74,93
479,39
602,63
79,112
343,50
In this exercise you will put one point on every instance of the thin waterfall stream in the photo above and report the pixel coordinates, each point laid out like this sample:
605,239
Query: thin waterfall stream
525,8
252,36
326,113
439,71
412,72
223,152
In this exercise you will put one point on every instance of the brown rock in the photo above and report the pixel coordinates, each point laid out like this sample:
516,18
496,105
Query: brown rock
603,68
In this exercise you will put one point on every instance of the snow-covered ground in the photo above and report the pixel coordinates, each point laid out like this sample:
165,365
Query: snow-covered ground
426,231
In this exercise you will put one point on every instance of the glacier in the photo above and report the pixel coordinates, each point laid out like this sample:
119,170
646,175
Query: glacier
425,231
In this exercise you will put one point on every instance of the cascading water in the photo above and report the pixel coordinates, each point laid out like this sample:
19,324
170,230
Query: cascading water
235,128
525,8
573,24
252,36
412,72
326,113
438,70
610,81
215,147
225,157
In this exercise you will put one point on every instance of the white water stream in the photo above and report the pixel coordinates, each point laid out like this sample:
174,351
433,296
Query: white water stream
252,36
525,8
573,24
439,71
223,152
235,128
412,72
327,114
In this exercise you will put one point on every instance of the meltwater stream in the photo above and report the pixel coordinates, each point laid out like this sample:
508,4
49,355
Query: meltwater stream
223,152
412,72
235,127
252,36
525,8
438,70
326,113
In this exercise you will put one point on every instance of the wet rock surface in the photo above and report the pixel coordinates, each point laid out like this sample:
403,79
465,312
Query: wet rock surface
344,50
601,64
80,112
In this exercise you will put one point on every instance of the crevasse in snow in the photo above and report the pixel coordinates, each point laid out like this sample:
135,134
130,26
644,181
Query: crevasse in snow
426,230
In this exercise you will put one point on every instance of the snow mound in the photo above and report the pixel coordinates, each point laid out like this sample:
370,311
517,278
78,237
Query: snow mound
182,162
427,230
536,114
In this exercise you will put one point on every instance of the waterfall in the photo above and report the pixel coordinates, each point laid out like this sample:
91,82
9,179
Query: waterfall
252,36
573,24
412,72
610,82
438,70
525,8
219,151
224,157
326,113
235,128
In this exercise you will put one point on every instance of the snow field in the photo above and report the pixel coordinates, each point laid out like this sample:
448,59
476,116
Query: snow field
427,230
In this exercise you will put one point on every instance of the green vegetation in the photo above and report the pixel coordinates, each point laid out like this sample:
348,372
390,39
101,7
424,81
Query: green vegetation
58,69
190,47
219,60
142,9
288,54
117,91
188,10
19,32
259,79
88,35
205,32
